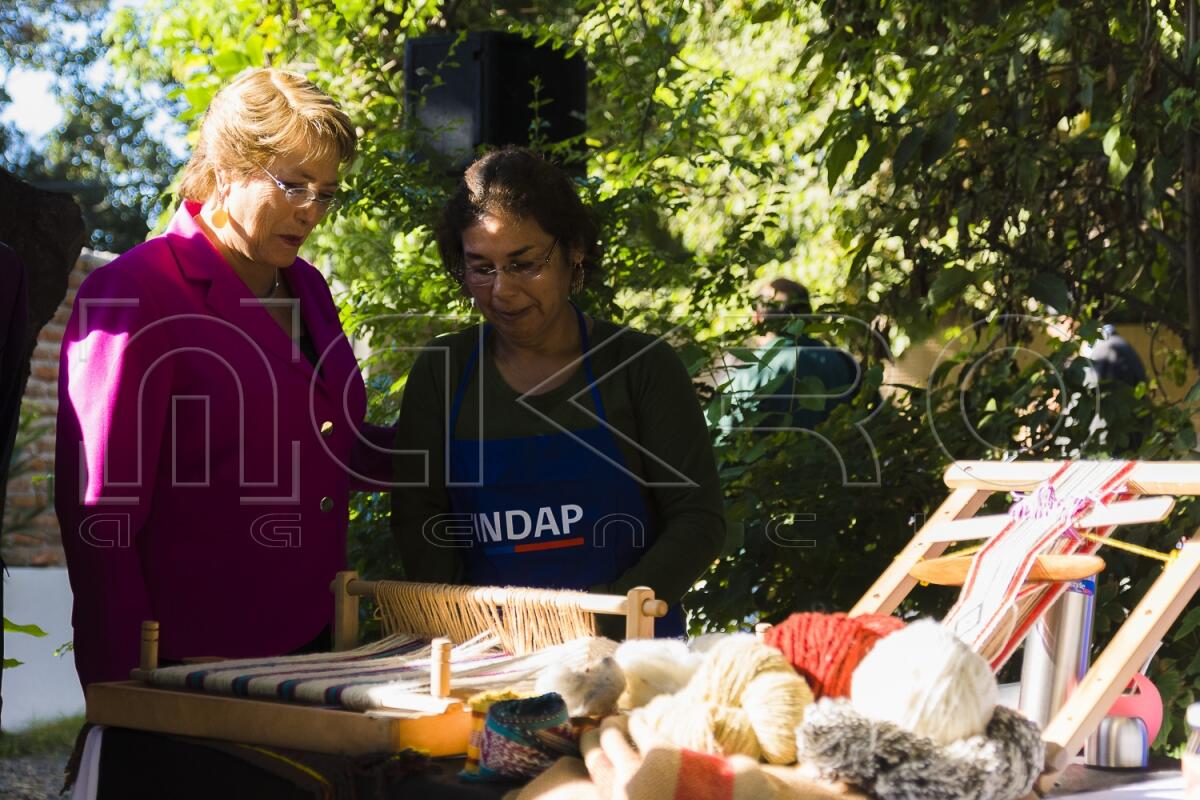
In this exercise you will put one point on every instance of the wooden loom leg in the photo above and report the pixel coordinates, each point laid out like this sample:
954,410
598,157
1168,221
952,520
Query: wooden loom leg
638,624
149,654
439,667
345,612
1133,643
895,583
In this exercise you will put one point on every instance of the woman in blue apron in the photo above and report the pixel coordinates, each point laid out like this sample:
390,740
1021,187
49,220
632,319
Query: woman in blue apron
548,448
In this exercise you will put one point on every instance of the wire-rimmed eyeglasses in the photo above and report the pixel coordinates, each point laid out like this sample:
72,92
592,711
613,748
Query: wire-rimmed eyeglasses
484,274
300,196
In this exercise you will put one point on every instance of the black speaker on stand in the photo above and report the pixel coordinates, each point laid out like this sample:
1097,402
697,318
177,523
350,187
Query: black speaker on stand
486,91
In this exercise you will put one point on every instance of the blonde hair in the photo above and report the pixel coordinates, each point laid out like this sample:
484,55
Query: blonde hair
265,114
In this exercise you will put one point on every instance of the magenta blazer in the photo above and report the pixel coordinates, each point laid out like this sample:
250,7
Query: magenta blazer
203,465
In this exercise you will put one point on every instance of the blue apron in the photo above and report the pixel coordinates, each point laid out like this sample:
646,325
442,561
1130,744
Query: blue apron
556,511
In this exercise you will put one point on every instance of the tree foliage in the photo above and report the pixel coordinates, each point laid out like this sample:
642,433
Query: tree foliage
962,171
1007,157
104,152
1009,163
31,29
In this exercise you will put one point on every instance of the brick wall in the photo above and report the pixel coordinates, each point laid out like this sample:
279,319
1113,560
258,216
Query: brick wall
37,543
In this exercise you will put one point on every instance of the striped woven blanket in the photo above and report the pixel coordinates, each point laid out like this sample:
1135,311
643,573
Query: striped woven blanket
382,675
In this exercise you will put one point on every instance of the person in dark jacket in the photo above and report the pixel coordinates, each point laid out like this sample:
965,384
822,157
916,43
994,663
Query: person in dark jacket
775,381
12,372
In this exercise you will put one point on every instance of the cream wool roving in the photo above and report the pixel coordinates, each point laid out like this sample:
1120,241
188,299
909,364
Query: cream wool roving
653,667
925,680
588,691
745,699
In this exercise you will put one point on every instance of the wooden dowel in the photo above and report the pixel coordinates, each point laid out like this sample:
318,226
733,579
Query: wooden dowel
439,668
149,656
1129,512
345,610
499,596
952,570
639,624
1146,477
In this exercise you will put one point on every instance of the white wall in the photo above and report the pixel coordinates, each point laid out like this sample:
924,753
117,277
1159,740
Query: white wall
44,687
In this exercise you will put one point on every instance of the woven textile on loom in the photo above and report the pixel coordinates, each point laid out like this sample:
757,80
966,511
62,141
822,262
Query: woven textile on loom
385,674
996,607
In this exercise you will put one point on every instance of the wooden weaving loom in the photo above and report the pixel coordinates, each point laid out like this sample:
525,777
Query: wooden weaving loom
972,482
436,722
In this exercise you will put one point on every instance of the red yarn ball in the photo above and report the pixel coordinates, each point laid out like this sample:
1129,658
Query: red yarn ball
825,648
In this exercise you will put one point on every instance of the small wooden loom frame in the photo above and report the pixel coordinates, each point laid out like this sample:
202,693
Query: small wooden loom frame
438,723
972,482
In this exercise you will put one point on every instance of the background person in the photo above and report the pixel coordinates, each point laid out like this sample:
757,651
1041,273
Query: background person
575,448
210,406
1113,358
771,379
1113,363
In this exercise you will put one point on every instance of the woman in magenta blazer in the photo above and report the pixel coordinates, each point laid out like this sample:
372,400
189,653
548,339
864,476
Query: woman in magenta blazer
210,422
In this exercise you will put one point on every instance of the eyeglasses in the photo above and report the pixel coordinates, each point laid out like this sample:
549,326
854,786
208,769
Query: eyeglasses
300,196
521,270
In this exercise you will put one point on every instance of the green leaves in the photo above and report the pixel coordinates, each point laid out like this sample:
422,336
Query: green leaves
810,393
840,154
931,143
1184,627
31,630
868,165
941,138
230,62
1121,151
767,12
1051,291
908,147
12,627
948,285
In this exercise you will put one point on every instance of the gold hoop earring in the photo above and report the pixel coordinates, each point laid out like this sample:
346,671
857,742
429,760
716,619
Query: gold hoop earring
220,218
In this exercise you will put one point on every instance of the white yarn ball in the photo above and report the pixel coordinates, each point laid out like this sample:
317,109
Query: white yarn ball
653,667
925,680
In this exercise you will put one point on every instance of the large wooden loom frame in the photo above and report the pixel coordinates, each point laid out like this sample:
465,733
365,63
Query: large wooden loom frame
972,482
439,723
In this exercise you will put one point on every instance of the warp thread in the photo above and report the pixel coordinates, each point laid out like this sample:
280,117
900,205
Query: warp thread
529,620
1044,503
826,648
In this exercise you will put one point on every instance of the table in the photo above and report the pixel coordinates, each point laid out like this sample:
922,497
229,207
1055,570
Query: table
1162,781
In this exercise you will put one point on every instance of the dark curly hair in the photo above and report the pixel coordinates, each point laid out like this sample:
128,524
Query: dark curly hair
514,181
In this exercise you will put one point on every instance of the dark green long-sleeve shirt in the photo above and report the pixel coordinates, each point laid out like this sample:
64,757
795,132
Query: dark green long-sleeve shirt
648,398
